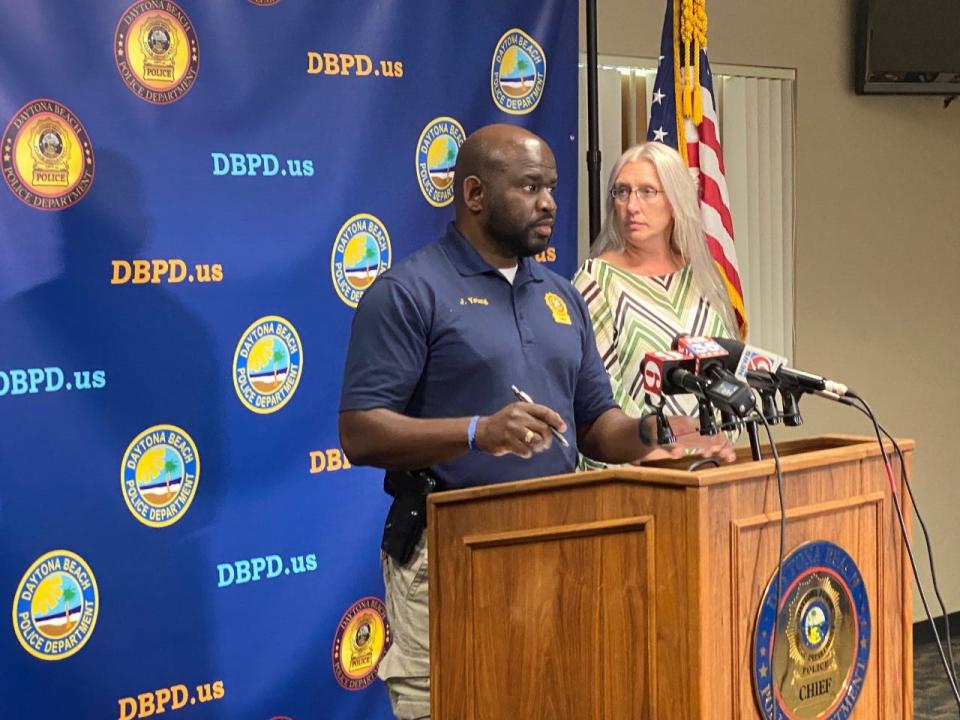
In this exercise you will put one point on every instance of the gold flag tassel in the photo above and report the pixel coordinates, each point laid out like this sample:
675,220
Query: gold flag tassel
679,83
699,42
686,35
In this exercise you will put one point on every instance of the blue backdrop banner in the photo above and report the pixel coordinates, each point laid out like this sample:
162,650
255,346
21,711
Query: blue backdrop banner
195,196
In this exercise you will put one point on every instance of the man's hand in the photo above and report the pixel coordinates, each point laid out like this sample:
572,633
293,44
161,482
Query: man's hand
520,428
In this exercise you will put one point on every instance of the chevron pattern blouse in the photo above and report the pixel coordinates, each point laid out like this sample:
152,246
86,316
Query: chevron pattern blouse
636,314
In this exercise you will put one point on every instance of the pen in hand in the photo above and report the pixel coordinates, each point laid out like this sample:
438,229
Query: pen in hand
522,396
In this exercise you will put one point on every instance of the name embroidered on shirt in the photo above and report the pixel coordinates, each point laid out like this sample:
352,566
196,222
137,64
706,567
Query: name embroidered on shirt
474,301
558,308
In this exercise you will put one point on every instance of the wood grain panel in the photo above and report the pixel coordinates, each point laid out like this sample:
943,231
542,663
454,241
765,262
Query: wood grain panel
556,615
628,625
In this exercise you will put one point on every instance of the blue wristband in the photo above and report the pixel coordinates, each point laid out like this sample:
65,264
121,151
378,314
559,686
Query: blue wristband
472,432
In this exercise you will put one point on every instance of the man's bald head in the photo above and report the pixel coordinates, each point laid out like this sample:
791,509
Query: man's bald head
489,151
503,189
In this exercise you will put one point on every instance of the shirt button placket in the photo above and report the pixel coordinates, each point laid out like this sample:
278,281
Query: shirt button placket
526,332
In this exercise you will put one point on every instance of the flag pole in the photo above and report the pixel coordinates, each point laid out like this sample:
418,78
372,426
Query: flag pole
593,122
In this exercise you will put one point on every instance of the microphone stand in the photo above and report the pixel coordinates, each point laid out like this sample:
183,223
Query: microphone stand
754,436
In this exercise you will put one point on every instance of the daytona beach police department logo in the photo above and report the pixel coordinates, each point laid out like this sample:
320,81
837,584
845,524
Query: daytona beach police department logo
437,151
360,253
56,605
157,52
159,475
47,156
518,73
362,639
822,631
558,308
267,364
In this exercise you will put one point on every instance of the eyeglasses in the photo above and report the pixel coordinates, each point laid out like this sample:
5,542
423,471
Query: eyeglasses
622,194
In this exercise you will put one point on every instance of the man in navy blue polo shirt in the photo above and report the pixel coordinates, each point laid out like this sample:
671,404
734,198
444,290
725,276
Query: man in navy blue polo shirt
437,343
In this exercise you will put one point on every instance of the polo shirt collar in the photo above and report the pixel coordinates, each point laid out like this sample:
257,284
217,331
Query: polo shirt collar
469,262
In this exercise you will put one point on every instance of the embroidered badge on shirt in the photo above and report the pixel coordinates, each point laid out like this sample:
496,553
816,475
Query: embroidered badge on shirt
558,308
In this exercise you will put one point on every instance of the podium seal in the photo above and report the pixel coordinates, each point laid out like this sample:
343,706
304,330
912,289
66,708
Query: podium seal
822,627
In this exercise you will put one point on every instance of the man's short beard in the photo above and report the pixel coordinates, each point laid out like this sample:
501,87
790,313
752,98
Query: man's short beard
512,241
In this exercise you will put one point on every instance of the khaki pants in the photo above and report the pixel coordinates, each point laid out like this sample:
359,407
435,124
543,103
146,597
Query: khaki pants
406,666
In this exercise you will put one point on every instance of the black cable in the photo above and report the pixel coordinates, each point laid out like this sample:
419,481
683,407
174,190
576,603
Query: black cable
926,535
926,538
913,562
783,530
703,462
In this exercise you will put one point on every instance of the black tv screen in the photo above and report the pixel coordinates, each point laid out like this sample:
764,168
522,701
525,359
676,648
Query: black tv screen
908,47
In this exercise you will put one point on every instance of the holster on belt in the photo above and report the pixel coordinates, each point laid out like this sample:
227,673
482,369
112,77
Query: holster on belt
408,513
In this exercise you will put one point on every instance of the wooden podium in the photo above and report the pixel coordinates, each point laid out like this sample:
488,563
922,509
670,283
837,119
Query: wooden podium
634,593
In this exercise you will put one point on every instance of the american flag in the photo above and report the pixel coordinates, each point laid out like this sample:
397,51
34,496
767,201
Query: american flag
701,146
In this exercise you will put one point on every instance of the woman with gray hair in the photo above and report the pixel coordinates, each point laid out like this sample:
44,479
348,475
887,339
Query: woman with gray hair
650,276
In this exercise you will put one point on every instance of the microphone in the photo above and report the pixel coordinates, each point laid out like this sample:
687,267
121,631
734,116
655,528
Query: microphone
747,358
669,373
665,373
730,393
707,351
791,407
766,386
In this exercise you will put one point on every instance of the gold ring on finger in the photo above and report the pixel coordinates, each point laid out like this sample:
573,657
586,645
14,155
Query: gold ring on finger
529,437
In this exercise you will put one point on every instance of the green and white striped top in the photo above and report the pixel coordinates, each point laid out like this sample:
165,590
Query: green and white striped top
636,314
